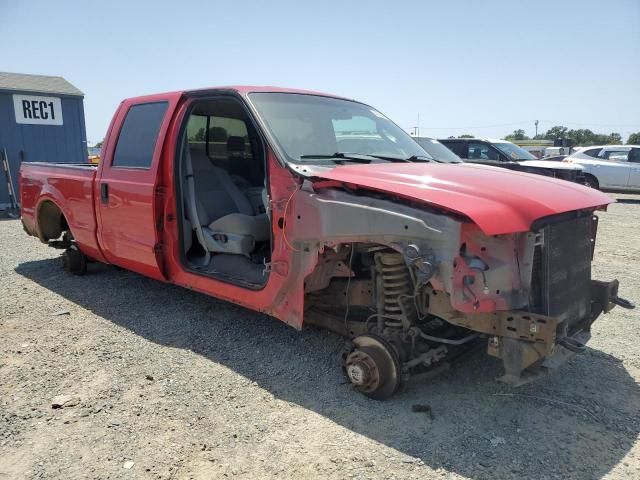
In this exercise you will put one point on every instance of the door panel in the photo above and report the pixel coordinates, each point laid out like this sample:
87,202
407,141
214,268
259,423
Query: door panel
130,189
611,174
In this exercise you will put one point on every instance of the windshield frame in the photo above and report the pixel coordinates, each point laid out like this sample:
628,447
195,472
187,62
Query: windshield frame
296,162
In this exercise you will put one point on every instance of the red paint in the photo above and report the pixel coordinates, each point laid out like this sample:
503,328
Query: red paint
71,190
138,230
125,232
497,200
128,223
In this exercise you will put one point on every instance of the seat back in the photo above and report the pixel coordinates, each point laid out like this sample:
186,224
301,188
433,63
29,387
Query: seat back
216,193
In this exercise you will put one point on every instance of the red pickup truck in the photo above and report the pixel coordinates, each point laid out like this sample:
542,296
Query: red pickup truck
319,210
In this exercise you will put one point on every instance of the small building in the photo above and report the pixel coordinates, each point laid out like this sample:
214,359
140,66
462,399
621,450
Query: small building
41,120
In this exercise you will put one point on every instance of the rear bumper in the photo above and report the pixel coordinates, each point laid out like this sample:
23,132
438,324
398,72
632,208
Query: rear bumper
555,342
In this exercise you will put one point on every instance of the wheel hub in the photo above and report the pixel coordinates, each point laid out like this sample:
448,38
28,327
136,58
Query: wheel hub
372,367
362,370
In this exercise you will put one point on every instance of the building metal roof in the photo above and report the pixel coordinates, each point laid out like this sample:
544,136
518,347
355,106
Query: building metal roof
37,83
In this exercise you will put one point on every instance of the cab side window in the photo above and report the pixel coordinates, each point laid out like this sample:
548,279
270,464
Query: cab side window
138,135
482,151
456,147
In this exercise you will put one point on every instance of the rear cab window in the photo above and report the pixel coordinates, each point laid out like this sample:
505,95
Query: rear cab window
138,136
219,137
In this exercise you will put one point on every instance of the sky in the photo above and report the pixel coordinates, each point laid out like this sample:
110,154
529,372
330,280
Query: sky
448,67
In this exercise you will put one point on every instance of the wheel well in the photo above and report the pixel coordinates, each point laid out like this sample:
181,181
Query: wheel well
594,179
51,221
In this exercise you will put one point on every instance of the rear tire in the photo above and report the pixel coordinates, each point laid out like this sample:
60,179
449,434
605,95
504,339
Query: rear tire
591,181
74,261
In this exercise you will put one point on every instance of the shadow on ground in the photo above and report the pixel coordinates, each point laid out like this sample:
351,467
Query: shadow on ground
578,423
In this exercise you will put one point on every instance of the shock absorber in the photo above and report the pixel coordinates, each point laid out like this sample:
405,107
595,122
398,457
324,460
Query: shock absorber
394,288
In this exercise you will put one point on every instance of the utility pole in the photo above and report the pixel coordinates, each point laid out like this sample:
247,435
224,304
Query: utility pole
536,123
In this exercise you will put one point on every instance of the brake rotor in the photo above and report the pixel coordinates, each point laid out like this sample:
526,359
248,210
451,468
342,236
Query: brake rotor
373,367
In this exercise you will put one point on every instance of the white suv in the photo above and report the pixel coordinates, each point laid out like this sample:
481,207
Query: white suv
609,167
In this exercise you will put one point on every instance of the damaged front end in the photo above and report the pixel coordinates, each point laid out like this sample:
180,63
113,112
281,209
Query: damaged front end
550,316
413,287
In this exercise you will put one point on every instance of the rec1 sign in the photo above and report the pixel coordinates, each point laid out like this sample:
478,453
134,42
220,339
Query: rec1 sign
36,110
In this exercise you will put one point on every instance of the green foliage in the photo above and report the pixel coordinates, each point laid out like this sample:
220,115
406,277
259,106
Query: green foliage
517,135
199,136
465,135
582,136
634,139
99,144
556,133
218,134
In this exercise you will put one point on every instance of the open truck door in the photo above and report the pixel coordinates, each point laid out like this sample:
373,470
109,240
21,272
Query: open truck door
129,196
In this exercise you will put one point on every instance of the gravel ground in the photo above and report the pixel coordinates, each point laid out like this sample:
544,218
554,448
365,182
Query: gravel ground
156,381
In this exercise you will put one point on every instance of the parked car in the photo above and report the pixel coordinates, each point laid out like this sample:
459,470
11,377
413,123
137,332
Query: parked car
501,153
243,193
609,167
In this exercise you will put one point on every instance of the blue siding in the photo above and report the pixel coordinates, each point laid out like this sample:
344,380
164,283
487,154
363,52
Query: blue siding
41,143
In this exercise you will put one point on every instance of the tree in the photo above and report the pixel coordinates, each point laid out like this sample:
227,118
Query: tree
556,133
582,136
465,135
517,135
99,144
218,134
615,138
199,136
634,139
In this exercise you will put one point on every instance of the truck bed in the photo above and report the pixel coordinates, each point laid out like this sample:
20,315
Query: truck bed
68,187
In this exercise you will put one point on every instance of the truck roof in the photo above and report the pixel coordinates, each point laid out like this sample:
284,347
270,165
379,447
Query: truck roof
241,89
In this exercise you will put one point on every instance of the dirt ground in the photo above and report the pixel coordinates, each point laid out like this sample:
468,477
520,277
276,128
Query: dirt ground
156,381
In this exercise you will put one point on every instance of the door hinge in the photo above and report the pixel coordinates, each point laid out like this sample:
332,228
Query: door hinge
161,191
279,266
158,247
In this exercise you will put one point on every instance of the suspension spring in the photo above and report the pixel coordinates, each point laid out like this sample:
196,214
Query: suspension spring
394,287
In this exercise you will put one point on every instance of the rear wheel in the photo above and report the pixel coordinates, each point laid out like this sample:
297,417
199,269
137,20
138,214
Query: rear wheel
591,181
372,366
74,261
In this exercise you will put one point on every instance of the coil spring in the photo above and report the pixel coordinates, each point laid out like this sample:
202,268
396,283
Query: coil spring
394,283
